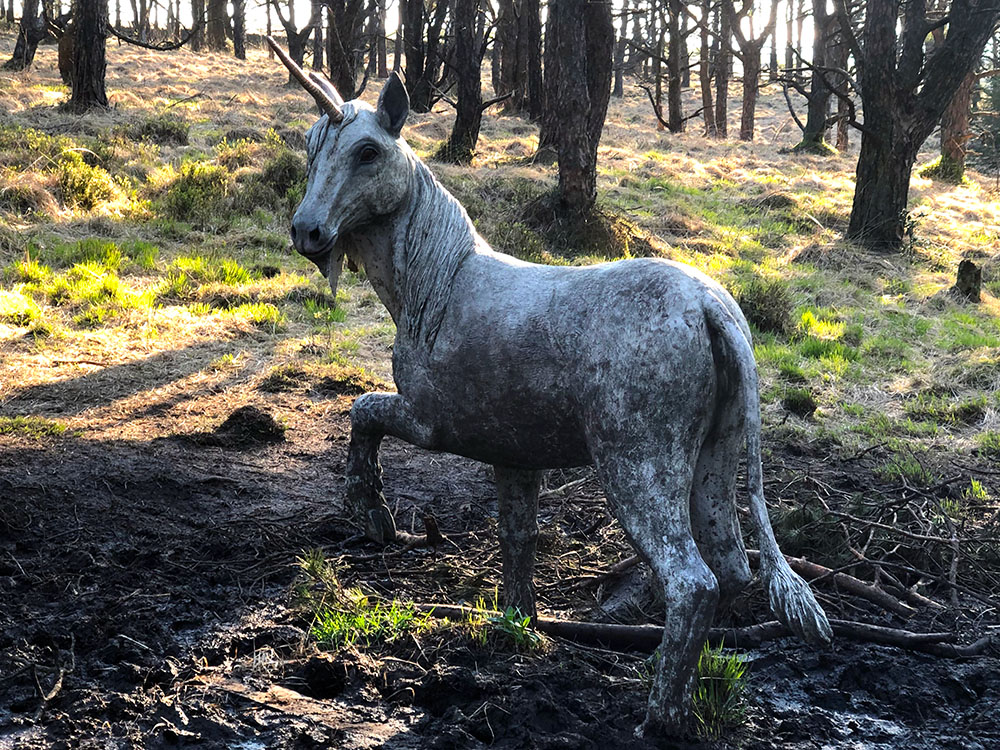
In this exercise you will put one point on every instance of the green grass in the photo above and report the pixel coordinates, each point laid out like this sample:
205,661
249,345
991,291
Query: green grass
515,628
906,468
35,428
356,619
341,616
719,701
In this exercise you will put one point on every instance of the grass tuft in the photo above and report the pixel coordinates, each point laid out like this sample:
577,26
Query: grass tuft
35,428
719,703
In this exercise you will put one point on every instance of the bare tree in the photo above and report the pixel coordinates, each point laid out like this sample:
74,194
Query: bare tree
216,23
345,44
30,32
581,35
749,53
461,144
422,32
296,38
905,90
240,29
89,63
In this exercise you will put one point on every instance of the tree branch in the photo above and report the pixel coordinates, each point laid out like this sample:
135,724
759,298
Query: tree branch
166,47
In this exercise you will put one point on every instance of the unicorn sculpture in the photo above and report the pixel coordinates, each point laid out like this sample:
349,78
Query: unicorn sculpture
642,368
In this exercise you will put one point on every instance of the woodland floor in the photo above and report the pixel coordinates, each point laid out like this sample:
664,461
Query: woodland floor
148,557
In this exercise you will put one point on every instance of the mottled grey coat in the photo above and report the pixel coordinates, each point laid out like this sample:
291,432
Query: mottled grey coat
642,368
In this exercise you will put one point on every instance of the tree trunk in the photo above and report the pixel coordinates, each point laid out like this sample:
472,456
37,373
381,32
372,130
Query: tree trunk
878,216
751,88
531,31
198,16
240,29
29,33
345,37
955,132
790,38
422,60
215,32
397,42
619,90
675,114
89,63
461,144
10,12
583,37
317,12
381,65
814,133
548,132
906,92
722,67
505,48
705,73
685,52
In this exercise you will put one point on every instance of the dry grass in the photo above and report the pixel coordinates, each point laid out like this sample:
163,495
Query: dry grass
878,330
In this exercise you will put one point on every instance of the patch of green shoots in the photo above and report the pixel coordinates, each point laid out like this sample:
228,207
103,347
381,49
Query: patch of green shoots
516,628
905,468
35,428
719,702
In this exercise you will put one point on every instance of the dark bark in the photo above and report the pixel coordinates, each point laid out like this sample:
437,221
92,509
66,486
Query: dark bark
705,72
397,44
905,92
461,144
10,12
198,14
89,63
583,37
548,132
381,65
505,49
317,51
531,32
295,38
240,29
750,55
215,26
956,133
619,89
345,44
675,114
818,100
421,41
30,32
723,65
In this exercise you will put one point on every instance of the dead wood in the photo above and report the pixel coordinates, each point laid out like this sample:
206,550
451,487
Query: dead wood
813,571
809,570
648,637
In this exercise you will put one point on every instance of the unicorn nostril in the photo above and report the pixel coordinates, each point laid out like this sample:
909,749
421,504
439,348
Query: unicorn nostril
293,233
314,235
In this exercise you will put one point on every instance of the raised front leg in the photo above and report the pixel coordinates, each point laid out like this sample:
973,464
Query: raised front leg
517,502
373,416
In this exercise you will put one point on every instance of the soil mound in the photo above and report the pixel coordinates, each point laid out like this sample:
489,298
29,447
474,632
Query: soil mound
247,427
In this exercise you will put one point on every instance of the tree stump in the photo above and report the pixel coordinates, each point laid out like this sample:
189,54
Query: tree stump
969,281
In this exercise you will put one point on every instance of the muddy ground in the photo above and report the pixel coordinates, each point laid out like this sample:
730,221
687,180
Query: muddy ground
145,601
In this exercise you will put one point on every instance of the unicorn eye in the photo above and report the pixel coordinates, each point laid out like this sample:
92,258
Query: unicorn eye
367,155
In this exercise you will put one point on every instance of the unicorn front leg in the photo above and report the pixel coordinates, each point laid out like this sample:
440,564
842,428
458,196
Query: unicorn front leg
373,416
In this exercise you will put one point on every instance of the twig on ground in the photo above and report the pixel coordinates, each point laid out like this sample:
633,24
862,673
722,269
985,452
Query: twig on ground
648,637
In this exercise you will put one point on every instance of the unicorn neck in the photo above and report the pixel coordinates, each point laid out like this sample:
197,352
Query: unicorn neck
432,237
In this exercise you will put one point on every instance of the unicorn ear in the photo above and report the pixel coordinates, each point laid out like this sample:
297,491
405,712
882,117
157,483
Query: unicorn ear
393,105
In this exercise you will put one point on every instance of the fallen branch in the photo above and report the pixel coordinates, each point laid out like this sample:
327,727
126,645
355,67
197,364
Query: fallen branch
813,571
809,570
648,637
